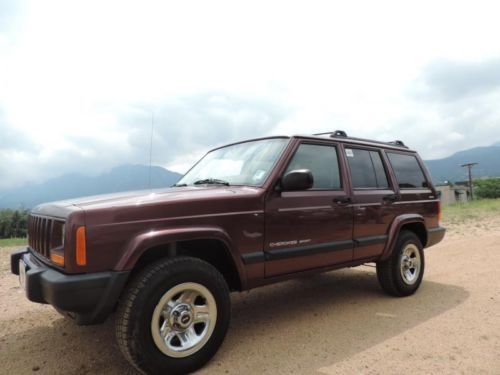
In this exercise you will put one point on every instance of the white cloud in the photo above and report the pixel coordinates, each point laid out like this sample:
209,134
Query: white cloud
80,79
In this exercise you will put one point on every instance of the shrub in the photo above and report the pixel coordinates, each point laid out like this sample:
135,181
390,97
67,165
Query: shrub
487,188
13,223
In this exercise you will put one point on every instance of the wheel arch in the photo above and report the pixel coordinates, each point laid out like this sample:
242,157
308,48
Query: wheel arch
411,222
209,244
418,228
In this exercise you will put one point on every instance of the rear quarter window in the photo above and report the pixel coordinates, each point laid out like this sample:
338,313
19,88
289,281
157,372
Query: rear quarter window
407,170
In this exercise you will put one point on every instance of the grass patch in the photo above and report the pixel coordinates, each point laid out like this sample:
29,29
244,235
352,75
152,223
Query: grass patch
4,242
471,211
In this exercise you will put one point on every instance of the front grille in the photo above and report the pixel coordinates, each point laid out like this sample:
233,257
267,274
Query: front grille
44,234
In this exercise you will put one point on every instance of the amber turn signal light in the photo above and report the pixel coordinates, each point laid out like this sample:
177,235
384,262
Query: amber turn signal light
81,247
57,258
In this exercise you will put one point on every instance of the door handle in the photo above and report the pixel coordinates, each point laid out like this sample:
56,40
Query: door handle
342,201
391,198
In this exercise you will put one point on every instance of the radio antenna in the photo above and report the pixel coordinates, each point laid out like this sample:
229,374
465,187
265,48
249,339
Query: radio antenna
151,147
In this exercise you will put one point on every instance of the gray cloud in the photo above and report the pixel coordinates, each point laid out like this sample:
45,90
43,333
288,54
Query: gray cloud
13,139
199,122
451,80
454,106
14,145
183,126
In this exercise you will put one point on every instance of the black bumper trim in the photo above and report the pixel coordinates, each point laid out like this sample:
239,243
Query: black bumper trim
435,235
251,258
91,296
371,240
291,252
436,230
14,261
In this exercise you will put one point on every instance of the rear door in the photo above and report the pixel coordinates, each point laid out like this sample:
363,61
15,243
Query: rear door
312,228
373,196
417,194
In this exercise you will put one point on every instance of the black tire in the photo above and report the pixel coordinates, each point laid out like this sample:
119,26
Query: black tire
391,277
139,300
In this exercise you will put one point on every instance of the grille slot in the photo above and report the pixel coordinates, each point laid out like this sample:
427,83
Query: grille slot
44,234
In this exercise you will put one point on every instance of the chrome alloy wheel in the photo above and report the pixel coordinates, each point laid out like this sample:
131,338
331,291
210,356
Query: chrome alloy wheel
410,264
184,319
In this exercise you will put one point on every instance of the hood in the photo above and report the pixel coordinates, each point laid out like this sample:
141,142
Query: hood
145,197
141,199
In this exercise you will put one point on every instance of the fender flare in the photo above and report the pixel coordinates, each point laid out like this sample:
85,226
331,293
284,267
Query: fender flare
394,230
144,241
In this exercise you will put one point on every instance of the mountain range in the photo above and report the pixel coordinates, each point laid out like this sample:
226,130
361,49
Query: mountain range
122,178
136,177
449,168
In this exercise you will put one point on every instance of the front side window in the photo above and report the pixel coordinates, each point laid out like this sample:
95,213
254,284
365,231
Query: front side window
407,170
247,163
367,170
322,161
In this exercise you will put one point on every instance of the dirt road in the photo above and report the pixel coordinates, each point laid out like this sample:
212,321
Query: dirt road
339,322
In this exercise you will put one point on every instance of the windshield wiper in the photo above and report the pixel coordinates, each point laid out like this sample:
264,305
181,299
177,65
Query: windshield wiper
179,185
211,181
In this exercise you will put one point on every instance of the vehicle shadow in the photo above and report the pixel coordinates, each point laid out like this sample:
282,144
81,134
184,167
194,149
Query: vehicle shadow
305,324
294,327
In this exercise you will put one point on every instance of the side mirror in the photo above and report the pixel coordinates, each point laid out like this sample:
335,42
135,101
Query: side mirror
299,179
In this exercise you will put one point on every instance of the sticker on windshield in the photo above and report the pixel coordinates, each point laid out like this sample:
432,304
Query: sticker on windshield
349,153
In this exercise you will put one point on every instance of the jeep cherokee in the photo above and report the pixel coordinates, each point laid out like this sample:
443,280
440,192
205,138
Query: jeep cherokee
246,215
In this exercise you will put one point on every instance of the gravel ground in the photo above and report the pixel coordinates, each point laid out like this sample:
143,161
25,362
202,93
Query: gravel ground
338,322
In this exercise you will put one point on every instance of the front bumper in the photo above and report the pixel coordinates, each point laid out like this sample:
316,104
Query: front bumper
89,298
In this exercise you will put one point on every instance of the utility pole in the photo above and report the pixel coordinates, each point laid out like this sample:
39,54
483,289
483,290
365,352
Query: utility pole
469,167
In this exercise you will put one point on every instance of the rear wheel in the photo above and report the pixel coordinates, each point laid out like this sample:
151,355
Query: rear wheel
173,316
401,274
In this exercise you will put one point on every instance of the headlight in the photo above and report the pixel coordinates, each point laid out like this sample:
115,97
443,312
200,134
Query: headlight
57,243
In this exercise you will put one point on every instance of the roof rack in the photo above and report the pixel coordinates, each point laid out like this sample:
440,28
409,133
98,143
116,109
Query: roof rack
343,134
397,142
336,133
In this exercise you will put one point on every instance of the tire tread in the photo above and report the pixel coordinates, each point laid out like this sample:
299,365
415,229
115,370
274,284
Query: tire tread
387,270
126,312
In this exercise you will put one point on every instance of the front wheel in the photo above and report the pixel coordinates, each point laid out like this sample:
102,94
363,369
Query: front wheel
173,316
402,273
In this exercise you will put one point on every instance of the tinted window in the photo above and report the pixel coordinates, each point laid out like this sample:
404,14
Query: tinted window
407,170
322,161
367,170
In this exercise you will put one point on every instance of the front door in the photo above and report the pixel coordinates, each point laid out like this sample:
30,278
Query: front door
312,228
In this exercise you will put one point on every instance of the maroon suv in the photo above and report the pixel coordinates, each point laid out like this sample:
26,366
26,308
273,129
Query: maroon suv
247,214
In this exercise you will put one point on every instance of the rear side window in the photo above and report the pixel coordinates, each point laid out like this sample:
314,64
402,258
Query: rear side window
367,170
323,163
407,170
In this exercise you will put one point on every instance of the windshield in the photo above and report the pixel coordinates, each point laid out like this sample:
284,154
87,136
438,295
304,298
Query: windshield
247,163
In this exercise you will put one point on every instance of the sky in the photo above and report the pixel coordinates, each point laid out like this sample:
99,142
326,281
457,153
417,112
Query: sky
82,82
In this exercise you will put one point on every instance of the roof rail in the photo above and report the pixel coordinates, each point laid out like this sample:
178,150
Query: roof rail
343,134
397,143
336,133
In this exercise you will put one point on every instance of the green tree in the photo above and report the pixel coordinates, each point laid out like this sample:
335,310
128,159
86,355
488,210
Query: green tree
13,223
5,223
487,188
